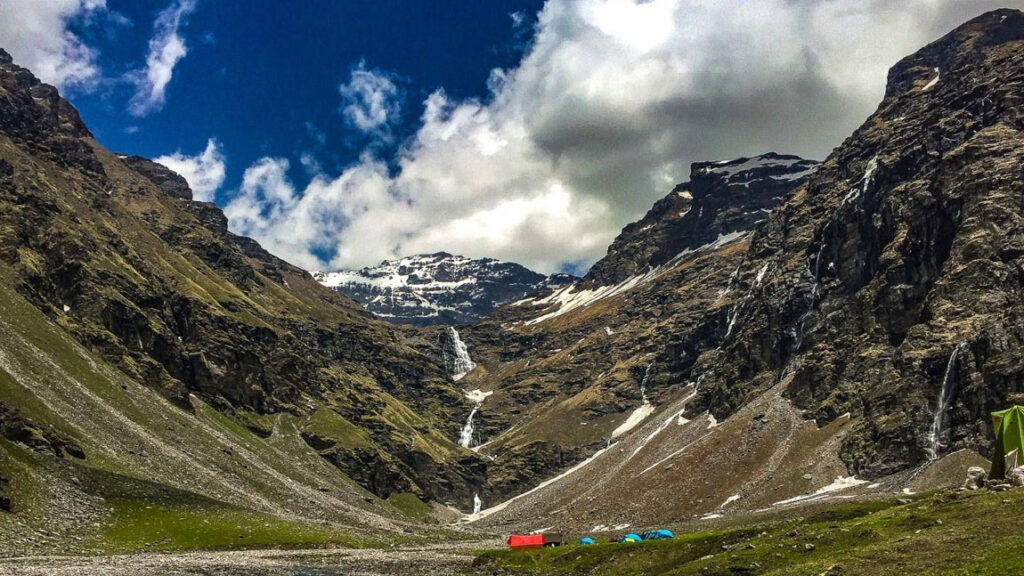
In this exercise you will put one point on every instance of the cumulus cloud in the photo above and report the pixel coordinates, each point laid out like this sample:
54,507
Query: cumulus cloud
371,100
166,49
36,34
605,112
204,172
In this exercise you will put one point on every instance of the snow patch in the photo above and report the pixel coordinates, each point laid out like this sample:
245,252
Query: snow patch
933,81
730,500
638,416
477,396
840,483
569,298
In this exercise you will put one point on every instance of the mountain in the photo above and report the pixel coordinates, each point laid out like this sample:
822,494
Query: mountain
582,353
852,343
721,198
151,359
438,289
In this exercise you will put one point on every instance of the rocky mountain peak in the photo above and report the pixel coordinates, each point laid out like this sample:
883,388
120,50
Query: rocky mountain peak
719,199
438,288
958,48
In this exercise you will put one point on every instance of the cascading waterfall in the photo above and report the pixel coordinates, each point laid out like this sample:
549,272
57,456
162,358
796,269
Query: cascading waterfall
935,442
477,397
815,289
643,382
477,503
457,359
466,436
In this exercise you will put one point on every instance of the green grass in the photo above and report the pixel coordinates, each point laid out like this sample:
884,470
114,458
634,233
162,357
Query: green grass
410,505
946,533
139,525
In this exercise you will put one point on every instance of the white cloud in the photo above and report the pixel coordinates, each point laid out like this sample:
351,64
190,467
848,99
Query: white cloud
612,96
204,172
371,99
36,34
166,48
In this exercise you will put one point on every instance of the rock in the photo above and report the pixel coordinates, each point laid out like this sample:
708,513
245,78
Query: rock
976,477
808,547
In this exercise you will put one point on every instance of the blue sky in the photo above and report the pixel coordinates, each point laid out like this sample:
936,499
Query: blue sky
262,76
339,133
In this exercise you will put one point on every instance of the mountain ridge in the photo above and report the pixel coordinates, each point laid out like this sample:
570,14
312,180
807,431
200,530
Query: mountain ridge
438,288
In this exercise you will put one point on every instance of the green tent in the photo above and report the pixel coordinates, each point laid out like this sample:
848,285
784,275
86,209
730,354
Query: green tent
1009,427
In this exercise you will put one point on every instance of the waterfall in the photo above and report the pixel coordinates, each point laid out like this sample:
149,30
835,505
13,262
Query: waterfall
643,382
477,397
642,412
466,437
935,442
477,503
456,355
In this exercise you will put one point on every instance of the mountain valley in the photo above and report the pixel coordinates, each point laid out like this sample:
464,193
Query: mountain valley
779,345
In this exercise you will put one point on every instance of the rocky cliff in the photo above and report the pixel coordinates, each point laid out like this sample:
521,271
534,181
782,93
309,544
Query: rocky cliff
719,199
438,289
889,285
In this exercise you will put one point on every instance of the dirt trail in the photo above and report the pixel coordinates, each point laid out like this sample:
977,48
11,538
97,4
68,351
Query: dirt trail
447,560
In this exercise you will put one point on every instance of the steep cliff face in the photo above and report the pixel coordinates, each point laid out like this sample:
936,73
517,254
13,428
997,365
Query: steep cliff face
889,285
113,250
438,289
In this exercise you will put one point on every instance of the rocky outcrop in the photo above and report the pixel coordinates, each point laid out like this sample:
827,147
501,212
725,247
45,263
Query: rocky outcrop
720,198
438,289
16,428
167,180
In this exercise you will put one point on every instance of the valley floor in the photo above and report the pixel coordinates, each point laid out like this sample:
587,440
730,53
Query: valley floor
449,559
944,533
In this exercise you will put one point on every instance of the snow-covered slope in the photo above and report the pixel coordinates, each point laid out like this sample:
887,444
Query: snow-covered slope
438,289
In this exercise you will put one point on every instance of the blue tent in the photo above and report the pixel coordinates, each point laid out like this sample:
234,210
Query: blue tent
630,538
657,535
586,541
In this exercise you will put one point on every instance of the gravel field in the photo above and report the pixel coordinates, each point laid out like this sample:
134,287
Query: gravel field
448,560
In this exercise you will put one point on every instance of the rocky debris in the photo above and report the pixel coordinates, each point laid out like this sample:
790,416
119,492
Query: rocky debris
438,289
720,198
975,478
449,559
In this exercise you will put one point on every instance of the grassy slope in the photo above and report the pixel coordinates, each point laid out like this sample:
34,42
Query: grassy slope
141,486
944,533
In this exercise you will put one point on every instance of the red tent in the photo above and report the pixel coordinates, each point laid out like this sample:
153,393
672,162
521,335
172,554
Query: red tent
531,542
